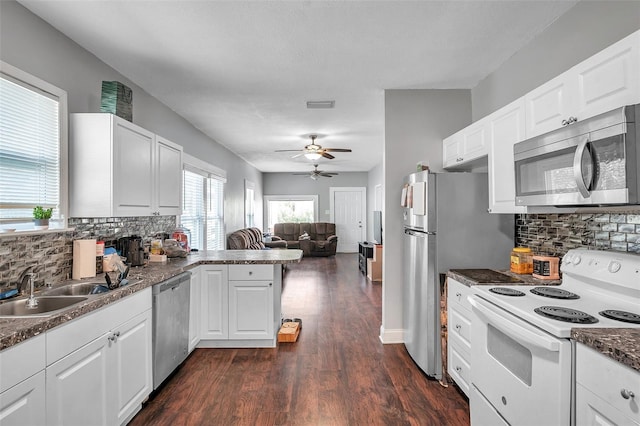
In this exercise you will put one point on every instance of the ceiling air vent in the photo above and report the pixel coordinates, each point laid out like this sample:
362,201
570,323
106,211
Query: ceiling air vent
320,104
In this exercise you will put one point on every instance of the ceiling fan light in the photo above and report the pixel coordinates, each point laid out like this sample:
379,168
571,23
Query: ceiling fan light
312,155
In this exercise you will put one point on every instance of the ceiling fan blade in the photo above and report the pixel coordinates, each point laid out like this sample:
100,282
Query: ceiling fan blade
297,155
301,174
337,149
325,174
327,155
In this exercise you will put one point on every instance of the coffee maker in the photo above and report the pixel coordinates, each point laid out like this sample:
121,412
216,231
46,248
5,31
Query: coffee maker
131,248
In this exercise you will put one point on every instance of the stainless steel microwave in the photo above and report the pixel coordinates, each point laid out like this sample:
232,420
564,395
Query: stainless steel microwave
590,162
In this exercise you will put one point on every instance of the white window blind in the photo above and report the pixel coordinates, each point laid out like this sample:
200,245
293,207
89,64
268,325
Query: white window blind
29,150
203,208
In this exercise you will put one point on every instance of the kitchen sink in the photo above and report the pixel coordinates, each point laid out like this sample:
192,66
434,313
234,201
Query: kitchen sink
47,305
80,289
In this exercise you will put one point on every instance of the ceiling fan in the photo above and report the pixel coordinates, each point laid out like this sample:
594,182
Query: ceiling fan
315,173
314,152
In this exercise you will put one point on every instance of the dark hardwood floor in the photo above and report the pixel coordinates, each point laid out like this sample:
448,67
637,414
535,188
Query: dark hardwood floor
337,373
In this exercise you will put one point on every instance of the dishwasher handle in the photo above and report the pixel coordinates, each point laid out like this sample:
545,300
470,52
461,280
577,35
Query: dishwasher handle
172,283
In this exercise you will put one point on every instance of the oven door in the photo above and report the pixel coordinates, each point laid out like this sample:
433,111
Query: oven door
523,372
597,167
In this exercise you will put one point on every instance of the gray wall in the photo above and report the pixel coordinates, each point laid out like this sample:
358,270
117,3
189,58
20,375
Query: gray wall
288,184
31,44
416,121
375,177
585,29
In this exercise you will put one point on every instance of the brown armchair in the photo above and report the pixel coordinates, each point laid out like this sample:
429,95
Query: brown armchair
322,237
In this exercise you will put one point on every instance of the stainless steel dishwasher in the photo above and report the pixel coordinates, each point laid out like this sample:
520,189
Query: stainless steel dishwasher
170,325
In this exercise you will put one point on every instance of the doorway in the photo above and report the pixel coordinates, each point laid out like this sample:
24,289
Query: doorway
347,208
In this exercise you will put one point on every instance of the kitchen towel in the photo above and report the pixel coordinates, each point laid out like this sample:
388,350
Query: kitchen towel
84,259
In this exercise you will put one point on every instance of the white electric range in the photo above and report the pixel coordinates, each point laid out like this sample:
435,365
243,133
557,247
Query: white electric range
521,349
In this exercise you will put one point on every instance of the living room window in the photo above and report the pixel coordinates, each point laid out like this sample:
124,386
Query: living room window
290,208
33,149
203,204
249,204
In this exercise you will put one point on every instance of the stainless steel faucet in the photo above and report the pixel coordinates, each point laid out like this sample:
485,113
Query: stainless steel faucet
32,302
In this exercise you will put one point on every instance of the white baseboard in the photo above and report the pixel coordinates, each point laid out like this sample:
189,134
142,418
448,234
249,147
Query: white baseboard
388,337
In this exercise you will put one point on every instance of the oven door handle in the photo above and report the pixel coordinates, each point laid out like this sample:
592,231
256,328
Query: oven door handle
511,328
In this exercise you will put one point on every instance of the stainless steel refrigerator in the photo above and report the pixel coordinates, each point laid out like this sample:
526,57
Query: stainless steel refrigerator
446,226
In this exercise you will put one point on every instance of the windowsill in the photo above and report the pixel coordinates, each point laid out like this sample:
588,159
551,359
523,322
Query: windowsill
27,232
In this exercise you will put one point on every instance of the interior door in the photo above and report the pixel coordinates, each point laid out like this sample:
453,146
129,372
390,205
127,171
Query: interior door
348,213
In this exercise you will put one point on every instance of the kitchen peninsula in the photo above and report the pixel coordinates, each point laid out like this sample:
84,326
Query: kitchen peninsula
16,330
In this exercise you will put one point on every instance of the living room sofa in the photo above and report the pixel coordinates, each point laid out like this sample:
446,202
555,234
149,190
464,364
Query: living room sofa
250,239
322,239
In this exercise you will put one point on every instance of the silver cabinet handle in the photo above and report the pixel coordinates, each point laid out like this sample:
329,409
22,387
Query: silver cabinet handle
250,272
626,394
459,159
458,368
114,336
458,294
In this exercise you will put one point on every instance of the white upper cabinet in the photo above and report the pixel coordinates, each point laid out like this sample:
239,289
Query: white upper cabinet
505,128
465,146
117,168
607,80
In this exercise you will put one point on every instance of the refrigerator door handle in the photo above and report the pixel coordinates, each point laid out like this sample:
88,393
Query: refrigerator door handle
418,233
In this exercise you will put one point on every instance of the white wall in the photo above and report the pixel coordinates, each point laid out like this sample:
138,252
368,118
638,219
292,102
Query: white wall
416,121
31,44
584,30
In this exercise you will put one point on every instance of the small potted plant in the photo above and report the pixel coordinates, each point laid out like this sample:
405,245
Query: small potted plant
41,217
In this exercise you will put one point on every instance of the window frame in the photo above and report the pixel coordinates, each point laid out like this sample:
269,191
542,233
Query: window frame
249,204
207,171
30,81
267,198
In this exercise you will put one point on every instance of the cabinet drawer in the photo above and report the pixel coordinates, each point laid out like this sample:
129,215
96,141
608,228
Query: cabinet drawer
460,327
592,410
21,361
608,379
457,294
250,272
459,368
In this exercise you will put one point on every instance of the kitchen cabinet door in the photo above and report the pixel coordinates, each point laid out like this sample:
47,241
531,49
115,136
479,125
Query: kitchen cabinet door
250,310
608,79
24,403
215,303
77,387
451,150
130,355
132,169
548,105
506,128
194,308
168,177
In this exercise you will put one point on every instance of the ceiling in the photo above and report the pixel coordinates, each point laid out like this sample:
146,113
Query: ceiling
242,71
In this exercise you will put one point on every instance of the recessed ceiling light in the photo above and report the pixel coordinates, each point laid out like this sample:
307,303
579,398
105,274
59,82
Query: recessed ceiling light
320,104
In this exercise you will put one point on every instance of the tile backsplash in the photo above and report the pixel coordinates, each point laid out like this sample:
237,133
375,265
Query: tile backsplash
50,254
555,234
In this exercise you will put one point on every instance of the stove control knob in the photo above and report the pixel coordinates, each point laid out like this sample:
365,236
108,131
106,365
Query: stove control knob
577,259
614,266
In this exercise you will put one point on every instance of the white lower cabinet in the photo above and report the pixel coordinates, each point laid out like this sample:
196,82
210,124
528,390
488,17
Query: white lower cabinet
24,403
459,339
238,305
100,365
606,391
250,309
194,308
215,302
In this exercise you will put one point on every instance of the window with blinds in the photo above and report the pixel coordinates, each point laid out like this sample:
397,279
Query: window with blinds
202,208
31,147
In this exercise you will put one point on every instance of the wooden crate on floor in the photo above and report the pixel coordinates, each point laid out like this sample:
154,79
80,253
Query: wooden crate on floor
289,332
374,266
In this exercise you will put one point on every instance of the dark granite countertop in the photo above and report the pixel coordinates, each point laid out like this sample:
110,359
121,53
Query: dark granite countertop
471,277
16,330
619,344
